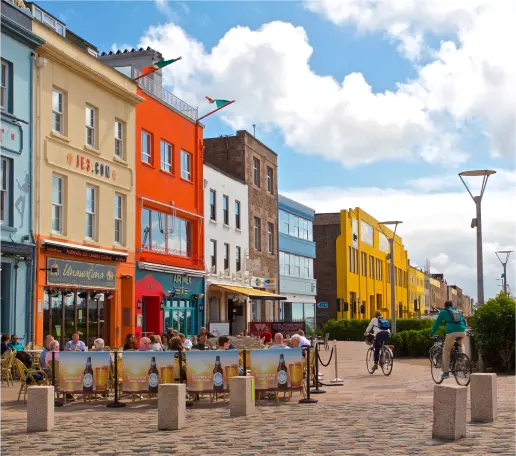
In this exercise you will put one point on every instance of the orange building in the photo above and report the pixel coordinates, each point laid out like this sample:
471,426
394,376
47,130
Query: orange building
169,288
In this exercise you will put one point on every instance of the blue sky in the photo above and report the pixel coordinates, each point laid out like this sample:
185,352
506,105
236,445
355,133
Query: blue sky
439,102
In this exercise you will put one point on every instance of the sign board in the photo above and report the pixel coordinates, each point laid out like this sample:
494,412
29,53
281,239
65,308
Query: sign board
219,329
143,371
209,371
366,233
83,372
277,369
91,275
259,282
78,253
322,305
284,327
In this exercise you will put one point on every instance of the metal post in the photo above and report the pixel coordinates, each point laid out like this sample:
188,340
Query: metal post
57,403
337,379
308,399
480,262
505,279
393,288
116,403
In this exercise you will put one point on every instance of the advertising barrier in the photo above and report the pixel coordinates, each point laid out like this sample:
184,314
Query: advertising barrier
209,371
277,369
83,372
144,371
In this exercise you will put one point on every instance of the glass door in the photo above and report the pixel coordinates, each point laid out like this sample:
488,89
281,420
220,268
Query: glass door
179,315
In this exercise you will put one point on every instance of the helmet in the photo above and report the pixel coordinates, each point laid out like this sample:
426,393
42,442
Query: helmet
369,339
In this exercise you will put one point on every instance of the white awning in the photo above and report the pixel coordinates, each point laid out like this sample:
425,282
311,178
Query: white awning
169,269
84,247
299,298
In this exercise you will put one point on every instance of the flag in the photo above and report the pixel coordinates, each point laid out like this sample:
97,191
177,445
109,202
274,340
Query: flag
156,66
218,103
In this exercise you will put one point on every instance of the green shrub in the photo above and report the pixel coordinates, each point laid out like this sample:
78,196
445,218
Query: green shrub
493,327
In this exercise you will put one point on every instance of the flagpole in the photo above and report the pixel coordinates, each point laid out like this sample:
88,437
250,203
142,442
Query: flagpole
214,111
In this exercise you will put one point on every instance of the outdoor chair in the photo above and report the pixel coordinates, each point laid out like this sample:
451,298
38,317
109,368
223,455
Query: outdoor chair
25,374
7,367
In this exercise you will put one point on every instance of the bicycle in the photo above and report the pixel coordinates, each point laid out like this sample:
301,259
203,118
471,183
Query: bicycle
460,364
386,360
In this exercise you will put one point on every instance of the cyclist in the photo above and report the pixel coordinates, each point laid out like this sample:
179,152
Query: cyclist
382,333
455,328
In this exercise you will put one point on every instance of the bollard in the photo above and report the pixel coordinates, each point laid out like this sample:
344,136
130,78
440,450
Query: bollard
241,396
483,394
171,406
40,408
116,403
337,379
308,399
449,412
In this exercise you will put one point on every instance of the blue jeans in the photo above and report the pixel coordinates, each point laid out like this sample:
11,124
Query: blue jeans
380,338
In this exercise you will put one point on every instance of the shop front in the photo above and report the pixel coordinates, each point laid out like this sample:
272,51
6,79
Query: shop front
168,297
82,289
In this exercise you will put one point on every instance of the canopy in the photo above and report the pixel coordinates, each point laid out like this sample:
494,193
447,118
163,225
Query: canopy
253,293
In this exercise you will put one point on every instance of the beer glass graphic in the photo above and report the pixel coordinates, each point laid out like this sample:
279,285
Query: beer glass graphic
167,374
296,374
101,378
230,371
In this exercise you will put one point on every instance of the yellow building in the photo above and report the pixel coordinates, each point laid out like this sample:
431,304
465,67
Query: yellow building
416,291
85,115
363,269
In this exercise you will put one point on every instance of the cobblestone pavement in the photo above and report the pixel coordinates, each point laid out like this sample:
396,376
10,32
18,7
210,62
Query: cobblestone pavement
371,414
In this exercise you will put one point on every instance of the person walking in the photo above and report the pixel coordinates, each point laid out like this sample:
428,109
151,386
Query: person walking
455,327
382,333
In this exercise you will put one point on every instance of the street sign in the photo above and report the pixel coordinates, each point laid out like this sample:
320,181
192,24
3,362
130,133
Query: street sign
322,305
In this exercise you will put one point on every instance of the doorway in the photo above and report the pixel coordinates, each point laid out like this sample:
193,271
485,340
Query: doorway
179,314
151,315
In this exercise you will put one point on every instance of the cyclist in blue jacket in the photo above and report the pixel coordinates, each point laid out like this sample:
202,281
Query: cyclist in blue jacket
455,328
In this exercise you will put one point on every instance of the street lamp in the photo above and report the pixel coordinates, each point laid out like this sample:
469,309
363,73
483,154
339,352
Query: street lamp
504,264
393,273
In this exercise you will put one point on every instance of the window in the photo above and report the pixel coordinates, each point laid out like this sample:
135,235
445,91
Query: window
237,215
213,255
146,147
270,182
238,255
286,265
119,218
225,209
296,266
91,119
295,226
293,222
91,206
257,234
92,52
164,233
119,139
213,205
363,258
6,192
305,270
226,257
283,222
371,266
57,204
58,111
256,172
378,269
270,237
186,165
4,86
49,21
166,156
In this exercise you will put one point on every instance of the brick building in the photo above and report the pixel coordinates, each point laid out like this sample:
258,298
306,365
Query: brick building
326,230
252,162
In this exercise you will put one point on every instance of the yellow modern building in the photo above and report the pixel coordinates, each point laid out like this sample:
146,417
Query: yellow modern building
85,115
416,291
363,268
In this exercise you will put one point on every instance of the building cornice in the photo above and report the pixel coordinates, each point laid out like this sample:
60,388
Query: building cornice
52,52
20,33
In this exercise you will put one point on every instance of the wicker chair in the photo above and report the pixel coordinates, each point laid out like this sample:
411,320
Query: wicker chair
7,367
28,374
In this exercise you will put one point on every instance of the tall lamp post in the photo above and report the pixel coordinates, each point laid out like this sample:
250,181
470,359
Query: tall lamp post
393,273
507,254
477,223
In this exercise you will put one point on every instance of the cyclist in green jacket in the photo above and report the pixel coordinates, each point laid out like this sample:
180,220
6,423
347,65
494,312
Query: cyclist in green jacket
455,328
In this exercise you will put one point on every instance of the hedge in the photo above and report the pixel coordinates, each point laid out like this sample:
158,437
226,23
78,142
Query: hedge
355,329
413,343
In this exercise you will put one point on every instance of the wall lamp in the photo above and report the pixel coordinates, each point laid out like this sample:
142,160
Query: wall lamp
139,304
161,305
53,269
126,276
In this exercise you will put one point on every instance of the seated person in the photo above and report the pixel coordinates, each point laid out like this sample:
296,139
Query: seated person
155,343
278,341
75,344
15,344
295,342
304,341
42,360
225,344
187,343
201,342
53,346
145,344
266,336
5,346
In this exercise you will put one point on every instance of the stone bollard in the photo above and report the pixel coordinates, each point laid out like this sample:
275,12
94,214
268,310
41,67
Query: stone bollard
40,408
450,404
171,406
484,401
241,396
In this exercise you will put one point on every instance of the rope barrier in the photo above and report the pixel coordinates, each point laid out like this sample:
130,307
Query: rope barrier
329,361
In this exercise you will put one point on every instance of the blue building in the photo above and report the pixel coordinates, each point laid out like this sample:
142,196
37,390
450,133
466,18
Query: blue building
17,241
296,262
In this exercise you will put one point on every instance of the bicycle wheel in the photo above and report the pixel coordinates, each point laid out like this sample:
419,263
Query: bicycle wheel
462,369
370,360
388,361
436,366
432,351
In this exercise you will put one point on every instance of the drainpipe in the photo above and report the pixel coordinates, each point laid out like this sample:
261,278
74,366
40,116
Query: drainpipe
29,264
39,63
16,261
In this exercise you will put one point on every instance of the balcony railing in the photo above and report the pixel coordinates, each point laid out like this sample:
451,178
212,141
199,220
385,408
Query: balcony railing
167,97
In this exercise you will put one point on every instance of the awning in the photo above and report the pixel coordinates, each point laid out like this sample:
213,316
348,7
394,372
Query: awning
253,293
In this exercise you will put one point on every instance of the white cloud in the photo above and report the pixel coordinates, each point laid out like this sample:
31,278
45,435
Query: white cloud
267,71
436,225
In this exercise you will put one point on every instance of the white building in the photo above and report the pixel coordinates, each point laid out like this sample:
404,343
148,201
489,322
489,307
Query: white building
226,234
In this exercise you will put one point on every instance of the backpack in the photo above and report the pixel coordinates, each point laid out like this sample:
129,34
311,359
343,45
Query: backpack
456,315
383,324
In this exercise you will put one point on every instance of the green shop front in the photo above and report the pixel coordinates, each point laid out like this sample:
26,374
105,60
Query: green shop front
168,297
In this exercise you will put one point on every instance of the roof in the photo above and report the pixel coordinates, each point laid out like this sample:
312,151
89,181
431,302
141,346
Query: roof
128,51
328,218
